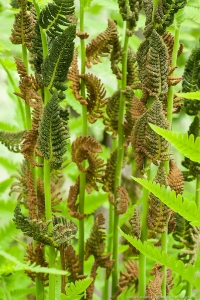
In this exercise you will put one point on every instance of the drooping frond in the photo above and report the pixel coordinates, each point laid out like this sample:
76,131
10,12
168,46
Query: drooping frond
23,26
53,133
102,44
76,290
184,207
35,255
95,96
87,148
191,81
55,16
73,76
152,58
56,64
95,244
61,233
12,140
185,144
162,258
73,264
144,142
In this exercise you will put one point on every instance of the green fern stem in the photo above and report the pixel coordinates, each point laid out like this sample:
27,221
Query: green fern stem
120,155
144,232
84,133
169,118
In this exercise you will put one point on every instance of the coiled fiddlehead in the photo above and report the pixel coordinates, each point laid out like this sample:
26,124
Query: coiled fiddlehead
53,133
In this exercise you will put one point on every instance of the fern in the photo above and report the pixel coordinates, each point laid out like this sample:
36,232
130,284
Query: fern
75,291
184,143
184,207
190,95
193,13
162,258
19,266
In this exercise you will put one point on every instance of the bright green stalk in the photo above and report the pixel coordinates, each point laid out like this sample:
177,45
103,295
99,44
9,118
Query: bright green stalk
169,118
144,232
84,133
120,155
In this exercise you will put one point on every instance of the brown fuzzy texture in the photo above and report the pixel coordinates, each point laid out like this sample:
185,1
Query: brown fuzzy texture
93,274
102,44
73,76
175,178
31,197
110,172
112,110
135,224
36,255
153,290
95,244
73,264
95,97
122,200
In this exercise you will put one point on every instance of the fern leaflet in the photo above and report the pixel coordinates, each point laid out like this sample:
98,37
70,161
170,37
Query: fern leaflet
75,290
162,258
190,95
184,207
184,143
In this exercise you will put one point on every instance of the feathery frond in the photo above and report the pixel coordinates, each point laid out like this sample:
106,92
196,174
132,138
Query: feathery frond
12,140
76,290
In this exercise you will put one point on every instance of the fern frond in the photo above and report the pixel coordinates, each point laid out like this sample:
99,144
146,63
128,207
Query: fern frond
175,178
72,201
130,12
73,264
162,258
75,291
190,95
193,13
95,96
184,207
56,64
109,172
184,143
112,110
23,26
12,140
55,16
53,133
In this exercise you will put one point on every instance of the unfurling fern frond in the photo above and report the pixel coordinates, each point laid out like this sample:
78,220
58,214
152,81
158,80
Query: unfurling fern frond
23,26
153,289
116,57
191,82
110,172
162,258
95,244
95,96
12,140
61,233
72,201
112,110
102,44
73,75
193,167
187,145
87,148
76,290
73,264
56,64
53,133
55,16
35,255
122,200
184,207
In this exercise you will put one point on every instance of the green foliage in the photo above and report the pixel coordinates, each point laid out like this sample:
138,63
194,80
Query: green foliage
12,140
184,207
190,95
75,291
162,258
184,143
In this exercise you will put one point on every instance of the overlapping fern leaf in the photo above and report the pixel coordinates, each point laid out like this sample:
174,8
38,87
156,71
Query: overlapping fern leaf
53,133
187,145
55,16
12,140
76,290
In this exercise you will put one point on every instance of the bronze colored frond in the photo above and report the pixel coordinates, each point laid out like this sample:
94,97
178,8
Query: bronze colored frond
110,172
93,274
35,255
135,224
12,140
73,75
73,264
153,290
122,200
101,45
112,110
61,233
132,69
129,278
175,178
53,133
158,213
116,57
87,148
72,201
105,262
95,97
95,244
23,26
31,200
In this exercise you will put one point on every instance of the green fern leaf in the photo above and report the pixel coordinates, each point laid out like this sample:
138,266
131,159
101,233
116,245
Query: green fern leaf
190,95
184,207
53,133
53,16
12,140
168,261
184,143
56,64
75,291
193,13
